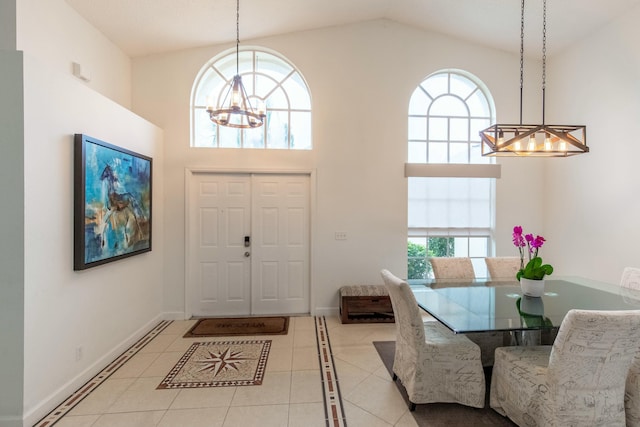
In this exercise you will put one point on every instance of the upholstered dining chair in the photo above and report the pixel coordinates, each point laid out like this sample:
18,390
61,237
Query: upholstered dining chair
452,268
504,267
432,363
579,381
631,280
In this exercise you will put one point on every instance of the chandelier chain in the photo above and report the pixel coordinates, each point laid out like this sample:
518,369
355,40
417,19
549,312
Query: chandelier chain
521,54
237,36
544,43
544,56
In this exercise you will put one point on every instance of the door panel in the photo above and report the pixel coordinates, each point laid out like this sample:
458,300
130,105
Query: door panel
280,264
220,217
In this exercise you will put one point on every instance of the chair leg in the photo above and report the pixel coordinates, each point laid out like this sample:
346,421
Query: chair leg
412,406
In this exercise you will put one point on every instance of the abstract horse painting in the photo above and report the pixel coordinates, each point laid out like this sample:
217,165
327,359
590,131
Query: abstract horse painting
122,217
113,203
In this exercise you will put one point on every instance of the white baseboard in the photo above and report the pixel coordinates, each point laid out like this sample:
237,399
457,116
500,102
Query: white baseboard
54,399
319,311
326,311
174,315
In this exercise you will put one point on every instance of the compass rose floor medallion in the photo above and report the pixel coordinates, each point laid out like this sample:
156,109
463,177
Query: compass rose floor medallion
220,364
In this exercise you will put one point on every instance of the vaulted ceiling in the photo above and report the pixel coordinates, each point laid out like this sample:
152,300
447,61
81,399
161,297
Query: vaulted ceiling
142,27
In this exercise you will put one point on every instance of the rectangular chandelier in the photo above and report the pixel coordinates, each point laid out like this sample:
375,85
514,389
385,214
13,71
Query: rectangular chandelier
534,140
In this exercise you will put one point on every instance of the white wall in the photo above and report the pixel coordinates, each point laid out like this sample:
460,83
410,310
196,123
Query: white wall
54,33
593,202
361,77
102,309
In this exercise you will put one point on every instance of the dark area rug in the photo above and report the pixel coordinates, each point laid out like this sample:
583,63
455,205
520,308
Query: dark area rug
444,414
231,326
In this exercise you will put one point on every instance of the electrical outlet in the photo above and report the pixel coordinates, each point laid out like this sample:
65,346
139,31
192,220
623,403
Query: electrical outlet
341,235
79,354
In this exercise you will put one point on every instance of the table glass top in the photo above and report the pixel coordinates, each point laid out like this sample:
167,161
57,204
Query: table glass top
481,305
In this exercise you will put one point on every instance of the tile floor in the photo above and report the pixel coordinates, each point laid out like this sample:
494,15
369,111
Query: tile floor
291,394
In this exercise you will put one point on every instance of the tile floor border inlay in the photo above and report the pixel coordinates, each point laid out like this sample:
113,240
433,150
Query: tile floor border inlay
334,410
55,415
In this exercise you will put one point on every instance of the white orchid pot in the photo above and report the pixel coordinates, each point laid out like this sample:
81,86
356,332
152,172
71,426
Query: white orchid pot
532,288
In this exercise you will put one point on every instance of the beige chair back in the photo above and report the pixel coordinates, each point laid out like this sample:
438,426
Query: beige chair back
591,357
452,268
505,267
630,289
631,278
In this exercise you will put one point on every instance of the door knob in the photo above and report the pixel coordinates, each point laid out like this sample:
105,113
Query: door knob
246,254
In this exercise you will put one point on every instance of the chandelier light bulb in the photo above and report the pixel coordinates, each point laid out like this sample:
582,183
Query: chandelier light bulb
548,145
260,107
235,94
532,143
562,146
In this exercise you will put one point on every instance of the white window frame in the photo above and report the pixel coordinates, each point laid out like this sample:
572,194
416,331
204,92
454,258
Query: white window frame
250,70
485,168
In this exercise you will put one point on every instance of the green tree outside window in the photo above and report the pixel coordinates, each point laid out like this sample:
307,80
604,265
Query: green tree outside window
417,255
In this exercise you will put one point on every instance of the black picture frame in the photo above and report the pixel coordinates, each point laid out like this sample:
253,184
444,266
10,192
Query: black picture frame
112,202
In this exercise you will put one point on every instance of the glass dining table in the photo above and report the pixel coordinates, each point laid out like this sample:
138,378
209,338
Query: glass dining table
484,305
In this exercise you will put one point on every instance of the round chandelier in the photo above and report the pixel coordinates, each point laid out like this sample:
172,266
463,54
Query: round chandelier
236,110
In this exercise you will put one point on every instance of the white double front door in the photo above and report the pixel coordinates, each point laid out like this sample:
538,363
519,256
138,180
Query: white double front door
248,244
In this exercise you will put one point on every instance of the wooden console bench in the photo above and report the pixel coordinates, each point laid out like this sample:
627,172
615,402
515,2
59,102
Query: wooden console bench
365,304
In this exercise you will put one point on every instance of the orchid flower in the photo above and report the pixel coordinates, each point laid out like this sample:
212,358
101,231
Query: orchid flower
518,240
537,244
533,244
520,243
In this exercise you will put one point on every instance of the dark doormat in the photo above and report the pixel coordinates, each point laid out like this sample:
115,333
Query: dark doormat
444,414
228,326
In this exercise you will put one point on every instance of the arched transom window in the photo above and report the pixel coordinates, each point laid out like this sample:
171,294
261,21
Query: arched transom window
267,77
447,111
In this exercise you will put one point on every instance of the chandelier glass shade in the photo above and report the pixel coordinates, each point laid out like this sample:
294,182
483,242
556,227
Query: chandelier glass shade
534,140
235,109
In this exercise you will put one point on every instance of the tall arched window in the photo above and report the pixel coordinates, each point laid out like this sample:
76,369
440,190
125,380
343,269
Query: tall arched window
267,77
450,200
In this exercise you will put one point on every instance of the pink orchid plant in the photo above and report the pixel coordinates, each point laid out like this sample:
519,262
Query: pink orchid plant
534,269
